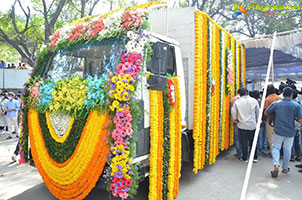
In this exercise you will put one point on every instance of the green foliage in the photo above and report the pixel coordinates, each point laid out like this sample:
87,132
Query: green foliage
9,54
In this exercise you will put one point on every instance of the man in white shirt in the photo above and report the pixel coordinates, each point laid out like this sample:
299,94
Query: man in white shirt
245,112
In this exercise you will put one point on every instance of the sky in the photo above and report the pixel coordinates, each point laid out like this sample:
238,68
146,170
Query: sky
7,4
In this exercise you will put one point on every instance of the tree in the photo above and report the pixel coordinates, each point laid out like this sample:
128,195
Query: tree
255,22
25,33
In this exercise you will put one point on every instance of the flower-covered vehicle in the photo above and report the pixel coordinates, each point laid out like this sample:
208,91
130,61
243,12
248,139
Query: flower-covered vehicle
114,89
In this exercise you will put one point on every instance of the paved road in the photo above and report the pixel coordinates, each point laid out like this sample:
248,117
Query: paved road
222,180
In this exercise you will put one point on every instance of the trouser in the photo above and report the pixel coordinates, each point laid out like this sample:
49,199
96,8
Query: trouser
237,140
269,133
296,149
246,139
261,138
287,142
12,124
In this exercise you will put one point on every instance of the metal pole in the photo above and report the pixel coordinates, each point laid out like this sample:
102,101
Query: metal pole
273,78
249,167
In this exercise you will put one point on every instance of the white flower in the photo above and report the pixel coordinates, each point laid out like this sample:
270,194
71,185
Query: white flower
131,35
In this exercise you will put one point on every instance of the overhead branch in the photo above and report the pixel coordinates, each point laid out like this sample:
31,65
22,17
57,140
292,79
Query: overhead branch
243,33
16,46
92,7
27,15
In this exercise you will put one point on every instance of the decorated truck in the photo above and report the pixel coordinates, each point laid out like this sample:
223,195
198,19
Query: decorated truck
118,96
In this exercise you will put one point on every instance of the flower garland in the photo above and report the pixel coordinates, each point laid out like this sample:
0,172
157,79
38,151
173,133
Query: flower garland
198,97
221,94
156,144
165,133
208,104
243,67
233,90
212,104
177,152
217,96
77,176
121,175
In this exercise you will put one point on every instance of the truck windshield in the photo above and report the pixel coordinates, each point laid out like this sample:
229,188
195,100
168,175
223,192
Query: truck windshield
88,59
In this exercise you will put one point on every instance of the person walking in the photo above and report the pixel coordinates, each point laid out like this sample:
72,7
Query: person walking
271,98
286,112
245,112
3,113
236,131
12,108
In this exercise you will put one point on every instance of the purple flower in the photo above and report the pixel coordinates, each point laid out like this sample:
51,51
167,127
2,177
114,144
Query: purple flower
119,174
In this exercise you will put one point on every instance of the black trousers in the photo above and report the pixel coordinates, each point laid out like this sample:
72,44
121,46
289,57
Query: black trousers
246,140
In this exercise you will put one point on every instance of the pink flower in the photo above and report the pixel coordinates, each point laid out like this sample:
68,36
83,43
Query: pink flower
35,91
119,141
126,112
123,195
124,133
129,131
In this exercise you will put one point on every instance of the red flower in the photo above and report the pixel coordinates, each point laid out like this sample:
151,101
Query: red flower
112,187
128,183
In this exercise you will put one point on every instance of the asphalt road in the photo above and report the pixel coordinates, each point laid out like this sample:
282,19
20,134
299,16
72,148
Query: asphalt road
222,180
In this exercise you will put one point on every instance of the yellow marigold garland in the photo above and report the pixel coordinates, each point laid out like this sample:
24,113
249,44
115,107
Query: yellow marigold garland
53,133
155,163
177,136
217,90
197,132
200,85
243,67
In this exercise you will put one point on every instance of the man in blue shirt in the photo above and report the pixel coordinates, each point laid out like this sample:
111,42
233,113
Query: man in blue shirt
11,109
286,112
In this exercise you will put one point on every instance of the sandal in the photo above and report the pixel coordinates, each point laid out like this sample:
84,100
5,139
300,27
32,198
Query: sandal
286,170
275,173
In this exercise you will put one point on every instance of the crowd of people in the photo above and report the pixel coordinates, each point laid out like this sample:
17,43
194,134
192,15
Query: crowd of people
10,115
280,128
13,65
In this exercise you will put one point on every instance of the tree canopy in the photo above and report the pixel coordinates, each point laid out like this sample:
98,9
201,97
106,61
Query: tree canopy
27,31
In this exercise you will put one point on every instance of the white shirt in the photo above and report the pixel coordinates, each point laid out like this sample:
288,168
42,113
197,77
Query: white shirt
246,110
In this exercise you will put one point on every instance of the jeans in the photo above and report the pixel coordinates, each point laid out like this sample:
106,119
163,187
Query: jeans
277,141
246,139
237,140
262,140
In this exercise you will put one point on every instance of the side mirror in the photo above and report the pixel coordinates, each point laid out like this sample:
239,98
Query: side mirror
159,59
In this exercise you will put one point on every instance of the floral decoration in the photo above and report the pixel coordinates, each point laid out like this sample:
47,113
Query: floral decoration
213,61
